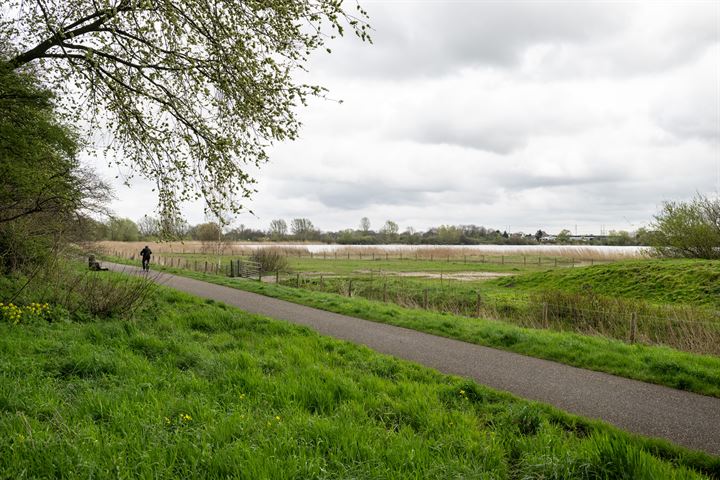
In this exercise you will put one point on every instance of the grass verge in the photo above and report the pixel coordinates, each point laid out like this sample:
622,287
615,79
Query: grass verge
188,388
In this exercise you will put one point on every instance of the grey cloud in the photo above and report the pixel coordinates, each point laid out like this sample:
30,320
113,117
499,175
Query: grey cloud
433,39
520,181
357,195
497,141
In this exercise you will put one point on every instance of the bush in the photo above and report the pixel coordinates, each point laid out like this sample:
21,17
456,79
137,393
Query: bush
688,229
99,294
270,260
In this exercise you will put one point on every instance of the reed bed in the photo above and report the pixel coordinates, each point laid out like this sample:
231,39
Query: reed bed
525,255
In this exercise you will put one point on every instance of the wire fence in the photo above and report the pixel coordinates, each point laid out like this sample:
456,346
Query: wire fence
683,327
425,256
686,328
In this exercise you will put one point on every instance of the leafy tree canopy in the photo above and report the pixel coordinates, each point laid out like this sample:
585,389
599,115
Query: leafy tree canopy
192,91
43,192
688,229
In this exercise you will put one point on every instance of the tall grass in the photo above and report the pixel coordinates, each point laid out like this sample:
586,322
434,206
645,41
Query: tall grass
194,389
685,328
81,292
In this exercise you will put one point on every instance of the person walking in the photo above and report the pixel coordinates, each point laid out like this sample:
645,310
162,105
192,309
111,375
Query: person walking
145,253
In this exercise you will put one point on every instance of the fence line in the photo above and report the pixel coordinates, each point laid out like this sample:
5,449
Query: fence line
518,259
619,322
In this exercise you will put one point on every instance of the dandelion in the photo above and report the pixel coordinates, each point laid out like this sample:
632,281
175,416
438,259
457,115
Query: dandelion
277,418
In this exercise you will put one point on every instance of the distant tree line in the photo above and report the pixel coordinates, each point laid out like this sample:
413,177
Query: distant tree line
303,230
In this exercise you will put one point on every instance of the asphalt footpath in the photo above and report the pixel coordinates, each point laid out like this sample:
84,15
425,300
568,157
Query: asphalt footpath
684,418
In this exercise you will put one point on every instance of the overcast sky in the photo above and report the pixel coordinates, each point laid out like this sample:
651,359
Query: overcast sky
508,114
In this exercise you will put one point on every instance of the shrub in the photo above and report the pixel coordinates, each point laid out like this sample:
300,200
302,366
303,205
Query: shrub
270,260
688,229
100,294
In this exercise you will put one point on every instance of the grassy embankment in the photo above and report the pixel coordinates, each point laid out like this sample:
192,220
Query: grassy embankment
188,388
672,303
689,282
655,364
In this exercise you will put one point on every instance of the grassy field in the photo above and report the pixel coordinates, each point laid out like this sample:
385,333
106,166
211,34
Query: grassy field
690,282
359,259
656,364
187,388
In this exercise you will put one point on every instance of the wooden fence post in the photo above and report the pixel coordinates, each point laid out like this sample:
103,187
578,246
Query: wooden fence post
385,292
633,327
232,269
297,280
546,324
573,262
556,261
350,288
425,299
260,274
502,259
205,266
277,277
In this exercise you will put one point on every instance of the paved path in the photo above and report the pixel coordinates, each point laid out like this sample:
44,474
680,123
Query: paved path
682,417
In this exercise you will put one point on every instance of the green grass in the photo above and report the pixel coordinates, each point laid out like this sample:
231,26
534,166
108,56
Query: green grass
345,266
655,364
691,282
195,389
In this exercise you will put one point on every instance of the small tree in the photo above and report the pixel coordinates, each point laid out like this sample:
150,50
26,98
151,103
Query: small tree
302,228
278,229
365,224
564,236
123,230
149,227
687,229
